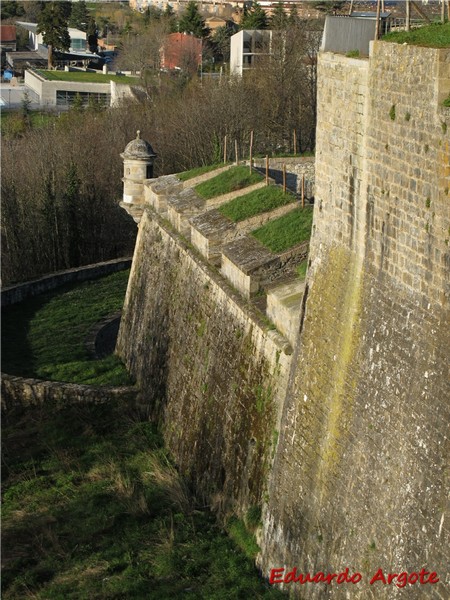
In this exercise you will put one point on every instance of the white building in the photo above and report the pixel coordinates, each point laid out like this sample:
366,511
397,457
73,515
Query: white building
78,38
246,47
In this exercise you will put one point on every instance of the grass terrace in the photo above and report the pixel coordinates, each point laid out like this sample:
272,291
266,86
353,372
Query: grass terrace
436,35
185,175
93,508
82,76
255,203
235,178
44,337
286,231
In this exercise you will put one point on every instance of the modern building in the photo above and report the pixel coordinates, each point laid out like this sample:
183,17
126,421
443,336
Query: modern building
62,93
78,38
37,54
247,46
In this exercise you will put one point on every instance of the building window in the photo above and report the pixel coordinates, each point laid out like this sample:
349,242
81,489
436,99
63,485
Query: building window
78,44
65,98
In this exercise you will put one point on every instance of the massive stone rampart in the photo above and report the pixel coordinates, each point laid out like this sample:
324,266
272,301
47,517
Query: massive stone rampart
210,369
360,477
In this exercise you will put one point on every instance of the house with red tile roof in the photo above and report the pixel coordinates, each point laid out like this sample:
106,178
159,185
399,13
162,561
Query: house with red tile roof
8,38
181,51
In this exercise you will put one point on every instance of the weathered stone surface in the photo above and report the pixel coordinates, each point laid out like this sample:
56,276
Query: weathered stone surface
359,477
208,366
19,393
284,307
246,263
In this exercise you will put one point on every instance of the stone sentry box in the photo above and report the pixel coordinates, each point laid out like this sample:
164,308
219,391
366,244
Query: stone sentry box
138,158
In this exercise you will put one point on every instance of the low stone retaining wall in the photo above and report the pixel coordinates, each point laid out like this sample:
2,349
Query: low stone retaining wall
19,393
296,168
28,289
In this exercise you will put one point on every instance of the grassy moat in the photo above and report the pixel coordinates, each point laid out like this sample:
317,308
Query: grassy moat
93,506
45,336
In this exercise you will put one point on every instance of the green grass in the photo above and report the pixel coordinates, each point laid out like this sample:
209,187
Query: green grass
86,77
231,180
286,231
44,337
13,123
93,509
185,175
256,202
243,538
436,35
301,269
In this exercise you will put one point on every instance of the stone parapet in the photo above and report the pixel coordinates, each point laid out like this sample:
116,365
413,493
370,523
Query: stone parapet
19,292
19,393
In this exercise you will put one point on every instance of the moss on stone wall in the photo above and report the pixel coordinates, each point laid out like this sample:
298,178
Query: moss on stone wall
208,370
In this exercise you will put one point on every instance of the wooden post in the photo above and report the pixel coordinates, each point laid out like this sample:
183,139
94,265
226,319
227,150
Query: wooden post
236,151
303,190
225,149
284,178
295,142
377,26
408,16
267,169
251,150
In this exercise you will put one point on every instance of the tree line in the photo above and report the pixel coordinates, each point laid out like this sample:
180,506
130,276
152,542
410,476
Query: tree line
61,180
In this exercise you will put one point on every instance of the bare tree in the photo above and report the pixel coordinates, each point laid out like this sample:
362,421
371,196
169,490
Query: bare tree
141,51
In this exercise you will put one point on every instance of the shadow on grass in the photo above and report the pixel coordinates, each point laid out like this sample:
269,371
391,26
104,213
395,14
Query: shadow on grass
44,337
94,508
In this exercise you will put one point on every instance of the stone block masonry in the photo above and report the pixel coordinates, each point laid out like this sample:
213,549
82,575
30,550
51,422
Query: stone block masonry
210,369
20,393
360,477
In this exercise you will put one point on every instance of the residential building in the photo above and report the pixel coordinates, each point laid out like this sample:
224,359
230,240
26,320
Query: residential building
181,51
8,38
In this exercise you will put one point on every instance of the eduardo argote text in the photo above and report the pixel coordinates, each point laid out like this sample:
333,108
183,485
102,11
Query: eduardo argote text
400,580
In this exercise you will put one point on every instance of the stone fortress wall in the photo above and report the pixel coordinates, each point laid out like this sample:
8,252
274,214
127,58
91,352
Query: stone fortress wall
344,441
364,431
